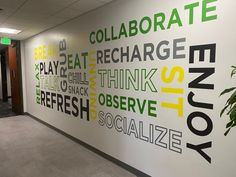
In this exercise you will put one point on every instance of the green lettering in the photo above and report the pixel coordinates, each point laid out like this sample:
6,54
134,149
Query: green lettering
131,104
191,7
123,103
133,30
37,76
77,62
141,107
91,39
152,107
116,103
70,65
149,25
174,19
108,100
123,31
206,9
99,36
159,23
113,37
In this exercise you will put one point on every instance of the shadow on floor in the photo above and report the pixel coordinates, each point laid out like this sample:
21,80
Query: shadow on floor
6,110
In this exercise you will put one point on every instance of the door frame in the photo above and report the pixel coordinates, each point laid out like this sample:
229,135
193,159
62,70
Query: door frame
4,51
16,44
4,74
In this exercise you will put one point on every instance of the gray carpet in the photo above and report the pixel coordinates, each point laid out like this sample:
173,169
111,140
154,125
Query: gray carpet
30,149
6,110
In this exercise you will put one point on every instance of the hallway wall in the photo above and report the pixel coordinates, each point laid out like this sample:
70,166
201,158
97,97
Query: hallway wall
23,73
140,81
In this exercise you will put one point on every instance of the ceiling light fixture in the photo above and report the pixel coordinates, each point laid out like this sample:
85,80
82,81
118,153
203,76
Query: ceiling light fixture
9,31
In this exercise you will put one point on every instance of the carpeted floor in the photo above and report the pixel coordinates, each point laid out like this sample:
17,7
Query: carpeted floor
31,149
6,110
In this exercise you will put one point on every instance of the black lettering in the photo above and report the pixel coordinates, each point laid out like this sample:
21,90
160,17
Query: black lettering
42,98
59,102
163,132
201,49
101,118
99,57
84,109
75,112
206,73
209,127
198,104
53,100
48,99
66,104
199,148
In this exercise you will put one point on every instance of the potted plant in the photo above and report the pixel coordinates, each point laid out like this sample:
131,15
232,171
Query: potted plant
230,106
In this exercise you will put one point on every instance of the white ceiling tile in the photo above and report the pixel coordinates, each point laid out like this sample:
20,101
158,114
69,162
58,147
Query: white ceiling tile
24,34
47,7
7,12
68,13
86,5
23,15
21,24
2,18
105,1
54,20
13,4
35,16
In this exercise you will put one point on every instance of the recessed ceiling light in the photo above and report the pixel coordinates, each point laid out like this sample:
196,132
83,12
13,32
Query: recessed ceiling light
9,31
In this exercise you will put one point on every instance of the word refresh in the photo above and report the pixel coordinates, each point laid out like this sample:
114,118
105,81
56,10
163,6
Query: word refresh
159,21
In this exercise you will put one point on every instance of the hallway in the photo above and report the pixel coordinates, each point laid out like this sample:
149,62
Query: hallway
117,88
30,149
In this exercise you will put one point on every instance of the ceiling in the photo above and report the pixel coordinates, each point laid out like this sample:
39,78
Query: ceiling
35,16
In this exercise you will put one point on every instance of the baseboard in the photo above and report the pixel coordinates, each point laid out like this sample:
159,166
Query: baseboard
129,168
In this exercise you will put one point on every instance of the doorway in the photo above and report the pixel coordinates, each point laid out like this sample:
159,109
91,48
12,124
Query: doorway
11,99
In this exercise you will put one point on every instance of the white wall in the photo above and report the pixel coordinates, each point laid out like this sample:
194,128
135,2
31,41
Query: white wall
23,69
149,157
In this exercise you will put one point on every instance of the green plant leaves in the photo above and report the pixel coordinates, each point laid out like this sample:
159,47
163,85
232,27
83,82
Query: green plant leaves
233,71
231,105
223,110
229,124
232,99
227,90
226,133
